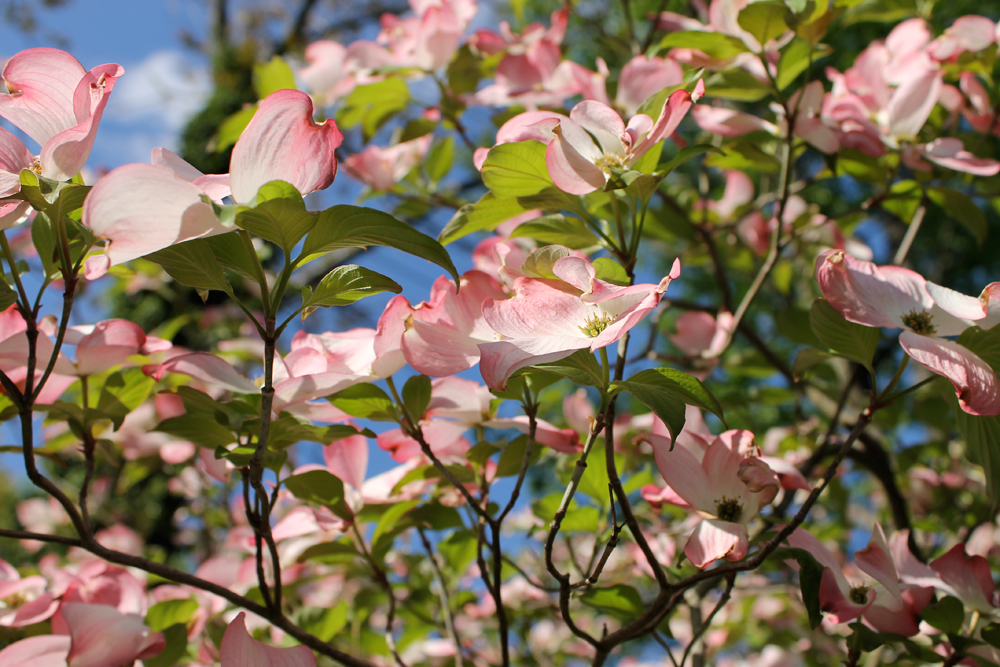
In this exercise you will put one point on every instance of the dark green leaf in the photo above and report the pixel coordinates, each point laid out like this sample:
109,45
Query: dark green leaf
513,455
192,263
346,226
123,392
417,395
330,553
205,432
810,577
991,634
947,614
279,217
619,600
744,155
961,209
232,253
689,389
176,646
864,639
688,153
320,487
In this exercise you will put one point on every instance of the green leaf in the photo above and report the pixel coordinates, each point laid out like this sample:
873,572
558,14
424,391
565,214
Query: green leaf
864,639
289,429
417,395
557,229
619,600
280,216
595,479
610,271
981,434
176,640
688,153
123,392
440,158
8,297
991,634
581,367
810,577
744,155
665,403
325,623
516,169
764,20
170,612
232,127
807,359
330,553
233,255
795,59
961,209
373,104
845,339
947,614
365,401
345,285
513,455
859,166
484,215
272,76
689,389
540,262
346,226
199,430
713,44
737,84
192,263
320,487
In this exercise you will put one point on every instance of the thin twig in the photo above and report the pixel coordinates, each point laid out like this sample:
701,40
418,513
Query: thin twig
449,622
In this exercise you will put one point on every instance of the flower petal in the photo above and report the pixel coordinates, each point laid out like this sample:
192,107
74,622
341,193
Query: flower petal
976,384
282,142
876,560
43,82
239,649
713,539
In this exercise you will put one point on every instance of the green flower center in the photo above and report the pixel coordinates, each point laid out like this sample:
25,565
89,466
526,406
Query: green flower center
14,601
921,323
596,323
729,509
859,595
608,162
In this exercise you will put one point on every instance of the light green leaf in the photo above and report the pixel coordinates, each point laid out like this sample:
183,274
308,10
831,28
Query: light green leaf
845,339
233,126
440,158
688,153
737,84
516,169
744,155
484,215
764,20
320,487
345,285
713,44
272,76
373,104
610,271
346,226
557,229
123,392
170,612
365,401
795,59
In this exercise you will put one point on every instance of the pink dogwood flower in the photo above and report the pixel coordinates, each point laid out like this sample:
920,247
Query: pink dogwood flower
429,39
139,209
333,71
239,649
888,605
642,77
549,320
892,297
579,165
381,168
59,104
726,488
37,651
101,635
24,600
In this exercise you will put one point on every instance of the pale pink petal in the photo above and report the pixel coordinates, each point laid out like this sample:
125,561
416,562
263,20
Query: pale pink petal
960,305
967,33
282,142
239,649
216,186
560,439
695,330
14,157
713,539
570,170
308,387
976,385
348,459
912,102
43,84
890,614
643,77
103,636
109,344
209,369
656,496
498,361
140,209
867,294
949,152
789,476
603,123
66,153
728,122
876,561
685,475
671,115
738,191
969,576
39,651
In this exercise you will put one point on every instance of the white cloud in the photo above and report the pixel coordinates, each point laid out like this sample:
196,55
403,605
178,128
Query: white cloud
166,88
